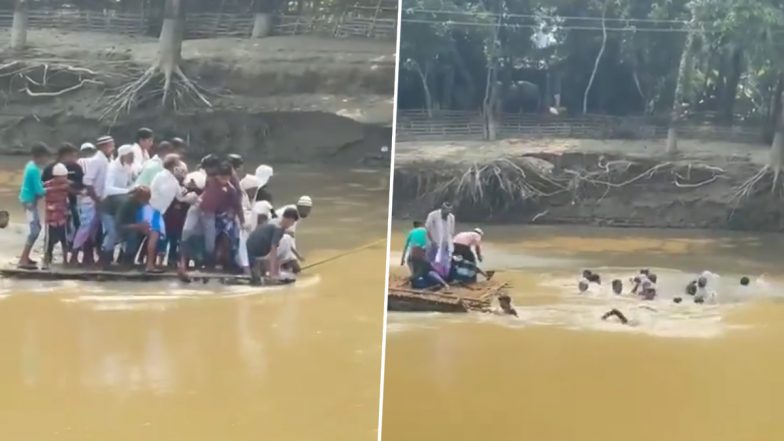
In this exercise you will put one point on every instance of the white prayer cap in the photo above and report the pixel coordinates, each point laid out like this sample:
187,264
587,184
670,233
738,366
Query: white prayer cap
59,170
249,182
87,146
104,140
262,207
125,149
305,201
198,177
479,231
263,174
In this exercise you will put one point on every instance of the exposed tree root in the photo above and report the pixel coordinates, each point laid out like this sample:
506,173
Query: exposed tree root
42,79
172,86
766,179
502,185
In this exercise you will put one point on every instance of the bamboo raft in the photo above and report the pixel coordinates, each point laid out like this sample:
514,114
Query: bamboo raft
131,275
459,299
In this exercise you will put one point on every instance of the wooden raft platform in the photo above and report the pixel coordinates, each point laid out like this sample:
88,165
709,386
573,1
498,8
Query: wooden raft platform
474,297
131,275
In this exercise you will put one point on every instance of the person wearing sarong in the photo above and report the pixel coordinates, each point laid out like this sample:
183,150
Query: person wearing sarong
119,177
68,155
94,181
249,186
220,196
164,189
440,225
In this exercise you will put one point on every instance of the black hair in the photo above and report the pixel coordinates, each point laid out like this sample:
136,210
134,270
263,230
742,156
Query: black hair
691,288
235,160
224,169
178,143
652,277
165,146
66,149
40,150
677,300
744,281
417,224
645,271
291,213
143,133
210,160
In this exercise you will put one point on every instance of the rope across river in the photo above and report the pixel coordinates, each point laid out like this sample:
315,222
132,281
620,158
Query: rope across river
345,253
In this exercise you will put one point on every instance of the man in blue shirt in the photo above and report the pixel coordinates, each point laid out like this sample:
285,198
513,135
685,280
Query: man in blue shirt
31,191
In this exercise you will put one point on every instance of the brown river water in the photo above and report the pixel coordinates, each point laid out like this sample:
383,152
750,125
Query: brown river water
162,361
559,373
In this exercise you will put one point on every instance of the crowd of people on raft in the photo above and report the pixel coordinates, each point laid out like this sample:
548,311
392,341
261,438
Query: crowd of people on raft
436,256
139,205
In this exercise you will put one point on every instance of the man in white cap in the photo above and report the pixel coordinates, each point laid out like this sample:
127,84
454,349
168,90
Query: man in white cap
468,245
263,174
119,177
145,139
164,190
94,184
287,250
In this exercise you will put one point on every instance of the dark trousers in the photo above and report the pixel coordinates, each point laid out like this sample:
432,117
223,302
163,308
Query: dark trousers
464,251
131,240
54,235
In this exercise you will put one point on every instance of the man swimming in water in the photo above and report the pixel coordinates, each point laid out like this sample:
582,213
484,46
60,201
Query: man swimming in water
617,286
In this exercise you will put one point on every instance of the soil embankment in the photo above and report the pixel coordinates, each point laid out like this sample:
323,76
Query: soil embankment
605,183
288,98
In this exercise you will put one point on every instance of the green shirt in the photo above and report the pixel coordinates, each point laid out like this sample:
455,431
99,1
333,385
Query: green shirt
417,238
32,186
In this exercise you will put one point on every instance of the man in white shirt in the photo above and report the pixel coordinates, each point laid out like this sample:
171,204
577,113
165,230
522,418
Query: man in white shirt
141,149
164,189
117,185
440,225
304,206
95,179
154,165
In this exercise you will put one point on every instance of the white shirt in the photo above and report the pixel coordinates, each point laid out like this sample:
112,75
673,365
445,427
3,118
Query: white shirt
95,174
118,179
163,190
441,230
140,156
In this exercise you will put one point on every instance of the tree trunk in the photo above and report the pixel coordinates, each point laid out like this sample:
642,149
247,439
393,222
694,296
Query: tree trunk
19,26
262,25
597,61
170,44
776,161
490,102
730,89
447,89
680,91
423,76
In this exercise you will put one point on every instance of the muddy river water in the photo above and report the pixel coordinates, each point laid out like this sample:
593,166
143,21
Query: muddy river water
558,372
162,361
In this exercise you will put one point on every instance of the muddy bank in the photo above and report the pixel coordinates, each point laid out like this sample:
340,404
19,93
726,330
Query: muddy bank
572,187
277,136
285,99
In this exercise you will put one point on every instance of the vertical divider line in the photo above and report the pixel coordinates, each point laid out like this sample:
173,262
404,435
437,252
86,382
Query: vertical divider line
389,225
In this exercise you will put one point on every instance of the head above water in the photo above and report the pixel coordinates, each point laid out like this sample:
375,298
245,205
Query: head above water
652,277
617,286
587,273
582,286
744,281
702,282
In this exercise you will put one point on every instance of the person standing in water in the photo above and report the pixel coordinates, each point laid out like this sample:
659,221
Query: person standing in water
440,225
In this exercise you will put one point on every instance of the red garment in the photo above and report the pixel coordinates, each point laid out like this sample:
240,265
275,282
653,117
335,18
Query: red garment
56,202
174,218
218,198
